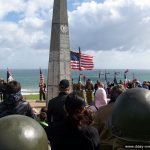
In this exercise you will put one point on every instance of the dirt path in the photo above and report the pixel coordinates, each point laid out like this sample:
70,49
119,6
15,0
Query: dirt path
37,104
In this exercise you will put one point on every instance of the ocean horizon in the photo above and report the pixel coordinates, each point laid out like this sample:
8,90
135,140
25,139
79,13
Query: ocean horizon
29,78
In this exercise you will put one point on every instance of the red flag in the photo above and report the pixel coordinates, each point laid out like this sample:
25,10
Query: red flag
41,79
81,61
9,76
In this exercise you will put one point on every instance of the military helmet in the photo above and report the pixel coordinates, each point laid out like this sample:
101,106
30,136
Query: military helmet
21,133
131,116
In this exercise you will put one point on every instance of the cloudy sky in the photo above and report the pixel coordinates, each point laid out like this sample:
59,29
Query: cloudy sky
115,32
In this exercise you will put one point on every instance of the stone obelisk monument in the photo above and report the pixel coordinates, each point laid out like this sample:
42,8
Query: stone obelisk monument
59,57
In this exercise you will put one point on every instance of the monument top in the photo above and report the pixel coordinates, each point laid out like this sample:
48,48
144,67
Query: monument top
60,14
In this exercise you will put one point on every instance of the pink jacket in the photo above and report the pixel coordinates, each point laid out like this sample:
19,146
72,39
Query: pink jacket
100,97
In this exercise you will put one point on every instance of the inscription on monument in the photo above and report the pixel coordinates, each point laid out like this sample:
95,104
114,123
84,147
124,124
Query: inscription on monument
64,28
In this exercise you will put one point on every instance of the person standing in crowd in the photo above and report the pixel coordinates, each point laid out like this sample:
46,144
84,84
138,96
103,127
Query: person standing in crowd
129,122
89,88
75,132
19,132
96,87
100,96
13,102
42,91
145,85
103,115
42,86
2,89
56,111
80,89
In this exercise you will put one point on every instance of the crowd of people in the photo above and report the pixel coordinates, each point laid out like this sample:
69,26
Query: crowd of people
98,94
91,117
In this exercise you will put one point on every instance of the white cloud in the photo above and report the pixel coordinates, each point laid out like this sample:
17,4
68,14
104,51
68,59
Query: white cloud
10,6
33,23
116,32
23,42
121,59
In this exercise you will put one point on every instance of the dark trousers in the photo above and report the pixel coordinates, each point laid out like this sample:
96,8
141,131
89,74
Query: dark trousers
42,95
1,96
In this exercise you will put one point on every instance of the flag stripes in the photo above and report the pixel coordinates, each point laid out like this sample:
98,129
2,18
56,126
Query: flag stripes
41,79
81,61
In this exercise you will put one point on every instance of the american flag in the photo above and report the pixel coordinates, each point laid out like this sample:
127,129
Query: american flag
81,61
41,79
9,76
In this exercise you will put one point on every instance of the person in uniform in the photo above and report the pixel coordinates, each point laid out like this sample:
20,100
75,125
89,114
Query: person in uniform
42,92
2,89
74,86
89,89
80,89
22,133
130,122
103,115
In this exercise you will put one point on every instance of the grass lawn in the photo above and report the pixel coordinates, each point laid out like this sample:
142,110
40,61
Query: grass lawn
31,97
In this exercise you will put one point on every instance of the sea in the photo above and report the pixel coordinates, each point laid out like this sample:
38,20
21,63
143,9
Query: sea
29,78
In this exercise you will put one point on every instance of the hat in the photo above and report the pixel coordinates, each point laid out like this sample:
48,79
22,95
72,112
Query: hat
64,84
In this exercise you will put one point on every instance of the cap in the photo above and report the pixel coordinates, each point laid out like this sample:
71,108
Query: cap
64,84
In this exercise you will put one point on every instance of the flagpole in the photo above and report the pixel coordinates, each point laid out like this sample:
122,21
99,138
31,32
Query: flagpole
99,75
79,58
105,76
133,76
79,64
7,75
115,78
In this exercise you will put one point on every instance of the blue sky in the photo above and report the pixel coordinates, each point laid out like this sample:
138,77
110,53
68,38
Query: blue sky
115,32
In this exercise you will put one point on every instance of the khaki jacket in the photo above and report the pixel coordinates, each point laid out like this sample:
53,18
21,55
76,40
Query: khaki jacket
101,123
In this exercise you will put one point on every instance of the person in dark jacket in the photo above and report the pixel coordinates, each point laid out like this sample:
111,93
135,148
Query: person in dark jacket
75,132
13,102
56,111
